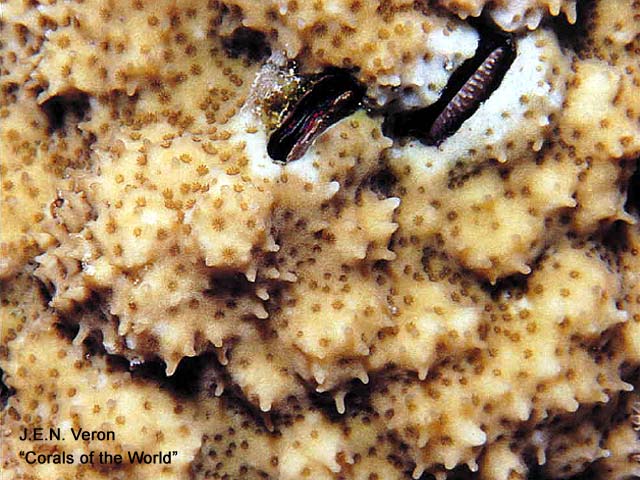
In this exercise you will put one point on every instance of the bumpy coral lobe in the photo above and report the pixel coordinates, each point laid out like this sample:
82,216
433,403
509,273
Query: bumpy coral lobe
86,393
376,309
513,16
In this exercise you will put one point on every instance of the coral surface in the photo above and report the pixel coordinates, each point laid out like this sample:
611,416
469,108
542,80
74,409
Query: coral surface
385,305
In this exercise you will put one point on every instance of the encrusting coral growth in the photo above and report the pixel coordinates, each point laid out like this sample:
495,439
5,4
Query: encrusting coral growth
384,41
381,306
514,15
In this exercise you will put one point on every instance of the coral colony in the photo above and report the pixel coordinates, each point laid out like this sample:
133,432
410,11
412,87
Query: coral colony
320,239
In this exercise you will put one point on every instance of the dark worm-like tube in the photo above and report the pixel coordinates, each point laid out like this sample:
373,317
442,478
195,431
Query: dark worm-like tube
468,87
332,97
474,91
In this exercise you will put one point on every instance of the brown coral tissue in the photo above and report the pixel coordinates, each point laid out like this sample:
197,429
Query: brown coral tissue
329,239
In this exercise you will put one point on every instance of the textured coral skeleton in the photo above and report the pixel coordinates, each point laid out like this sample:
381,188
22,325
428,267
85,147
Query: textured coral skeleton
378,306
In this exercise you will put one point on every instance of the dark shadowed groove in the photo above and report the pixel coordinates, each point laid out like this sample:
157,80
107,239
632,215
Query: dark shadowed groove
60,108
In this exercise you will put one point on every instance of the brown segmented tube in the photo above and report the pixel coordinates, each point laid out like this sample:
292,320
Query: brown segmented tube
470,85
472,93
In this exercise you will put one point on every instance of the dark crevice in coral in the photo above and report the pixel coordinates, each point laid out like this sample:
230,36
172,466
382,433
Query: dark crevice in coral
611,414
5,391
247,43
200,377
574,36
602,348
633,191
613,236
512,286
72,106
630,374
461,472
212,374
186,380
383,183
566,423
233,285
69,330
357,400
